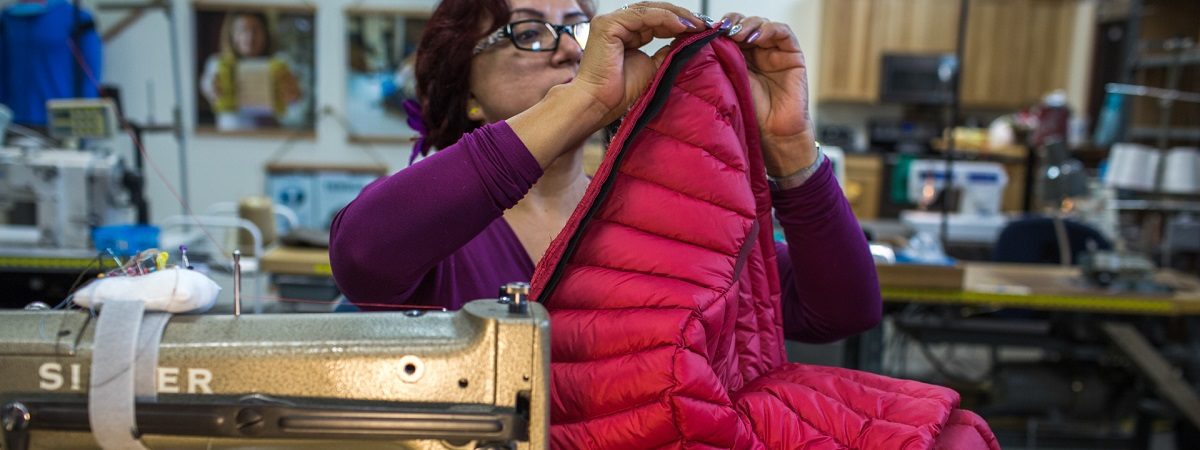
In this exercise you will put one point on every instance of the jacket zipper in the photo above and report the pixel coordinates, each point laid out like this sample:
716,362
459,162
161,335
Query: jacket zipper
621,141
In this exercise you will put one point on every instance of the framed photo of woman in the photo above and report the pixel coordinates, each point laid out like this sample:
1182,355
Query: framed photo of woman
255,68
380,54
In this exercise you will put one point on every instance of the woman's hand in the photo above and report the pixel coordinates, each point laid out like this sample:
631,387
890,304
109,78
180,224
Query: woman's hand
613,72
288,88
779,81
214,86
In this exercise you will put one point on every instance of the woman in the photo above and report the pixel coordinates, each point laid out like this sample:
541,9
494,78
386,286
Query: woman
513,76
245,37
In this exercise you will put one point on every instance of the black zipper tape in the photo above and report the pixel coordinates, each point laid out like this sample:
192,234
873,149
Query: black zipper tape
659,99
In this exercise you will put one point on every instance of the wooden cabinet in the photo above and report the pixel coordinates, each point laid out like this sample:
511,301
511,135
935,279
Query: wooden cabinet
856,34
863,185
916,26
1016,50
848,62
1051,43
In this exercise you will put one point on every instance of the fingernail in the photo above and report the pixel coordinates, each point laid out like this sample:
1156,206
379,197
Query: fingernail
687,22
726,23
752,37
735,30
708,21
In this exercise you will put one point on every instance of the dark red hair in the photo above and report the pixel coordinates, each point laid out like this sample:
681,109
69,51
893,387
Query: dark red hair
443,68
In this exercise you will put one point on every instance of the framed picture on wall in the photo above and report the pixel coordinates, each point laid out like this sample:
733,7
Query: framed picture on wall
380,55
255,68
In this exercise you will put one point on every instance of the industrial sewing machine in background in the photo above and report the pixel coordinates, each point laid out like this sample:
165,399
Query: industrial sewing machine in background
51,199
473,379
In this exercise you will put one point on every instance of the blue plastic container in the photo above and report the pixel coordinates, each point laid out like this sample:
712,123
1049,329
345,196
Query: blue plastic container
125,240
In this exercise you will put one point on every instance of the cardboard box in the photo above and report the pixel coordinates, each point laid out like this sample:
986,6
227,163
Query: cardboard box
863,185
255,88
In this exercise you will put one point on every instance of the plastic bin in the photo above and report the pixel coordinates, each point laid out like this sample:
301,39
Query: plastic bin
125,240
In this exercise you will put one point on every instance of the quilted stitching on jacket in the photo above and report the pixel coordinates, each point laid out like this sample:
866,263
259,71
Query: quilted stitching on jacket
636,326
666,328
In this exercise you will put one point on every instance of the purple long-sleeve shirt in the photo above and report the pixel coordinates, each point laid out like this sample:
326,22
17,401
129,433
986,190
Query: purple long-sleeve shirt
433,234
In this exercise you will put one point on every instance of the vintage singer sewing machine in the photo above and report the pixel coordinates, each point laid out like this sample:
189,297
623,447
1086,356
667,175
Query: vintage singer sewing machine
476,378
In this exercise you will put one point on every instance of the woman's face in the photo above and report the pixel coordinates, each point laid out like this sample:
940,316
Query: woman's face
249,36
506,81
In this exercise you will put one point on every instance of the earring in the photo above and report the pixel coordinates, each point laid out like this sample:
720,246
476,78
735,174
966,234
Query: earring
474,111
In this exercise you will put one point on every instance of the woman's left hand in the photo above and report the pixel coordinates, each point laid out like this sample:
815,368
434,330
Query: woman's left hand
779,84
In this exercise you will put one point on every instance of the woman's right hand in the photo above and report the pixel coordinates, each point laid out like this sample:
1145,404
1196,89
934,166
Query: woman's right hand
613,72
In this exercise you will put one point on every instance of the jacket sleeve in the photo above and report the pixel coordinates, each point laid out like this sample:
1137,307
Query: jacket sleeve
829,287
400,227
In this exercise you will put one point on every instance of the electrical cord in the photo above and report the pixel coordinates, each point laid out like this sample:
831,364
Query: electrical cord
940,367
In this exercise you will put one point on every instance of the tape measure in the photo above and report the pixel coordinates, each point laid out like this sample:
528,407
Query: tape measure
23,262
1111,305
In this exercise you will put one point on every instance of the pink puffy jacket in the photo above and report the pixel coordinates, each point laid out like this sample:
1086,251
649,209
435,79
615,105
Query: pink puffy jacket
664,296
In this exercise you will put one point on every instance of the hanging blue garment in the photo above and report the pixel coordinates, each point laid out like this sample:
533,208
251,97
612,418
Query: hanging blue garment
37,59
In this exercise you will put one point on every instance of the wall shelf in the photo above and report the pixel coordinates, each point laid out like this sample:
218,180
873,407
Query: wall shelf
1157,205
1190,57
1173,133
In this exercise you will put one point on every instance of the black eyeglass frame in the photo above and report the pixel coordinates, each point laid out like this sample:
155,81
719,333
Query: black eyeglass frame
505,32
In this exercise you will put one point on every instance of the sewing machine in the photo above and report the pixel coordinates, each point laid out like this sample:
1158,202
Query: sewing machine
980,187
476,378
53,198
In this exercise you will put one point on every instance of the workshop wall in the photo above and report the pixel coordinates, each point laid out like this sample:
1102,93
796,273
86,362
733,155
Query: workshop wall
224,168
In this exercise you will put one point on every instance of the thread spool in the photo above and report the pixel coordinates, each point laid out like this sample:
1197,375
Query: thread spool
1133,167
259,211
1181,171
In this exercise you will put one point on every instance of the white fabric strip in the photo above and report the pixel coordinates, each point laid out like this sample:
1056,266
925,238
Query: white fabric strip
111,394
145,385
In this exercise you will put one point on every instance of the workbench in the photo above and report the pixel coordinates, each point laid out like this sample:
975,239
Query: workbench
976,289
303,276
1033,286
30,274
297,261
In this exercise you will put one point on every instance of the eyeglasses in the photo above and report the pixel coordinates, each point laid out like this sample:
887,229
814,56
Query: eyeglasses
535,35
